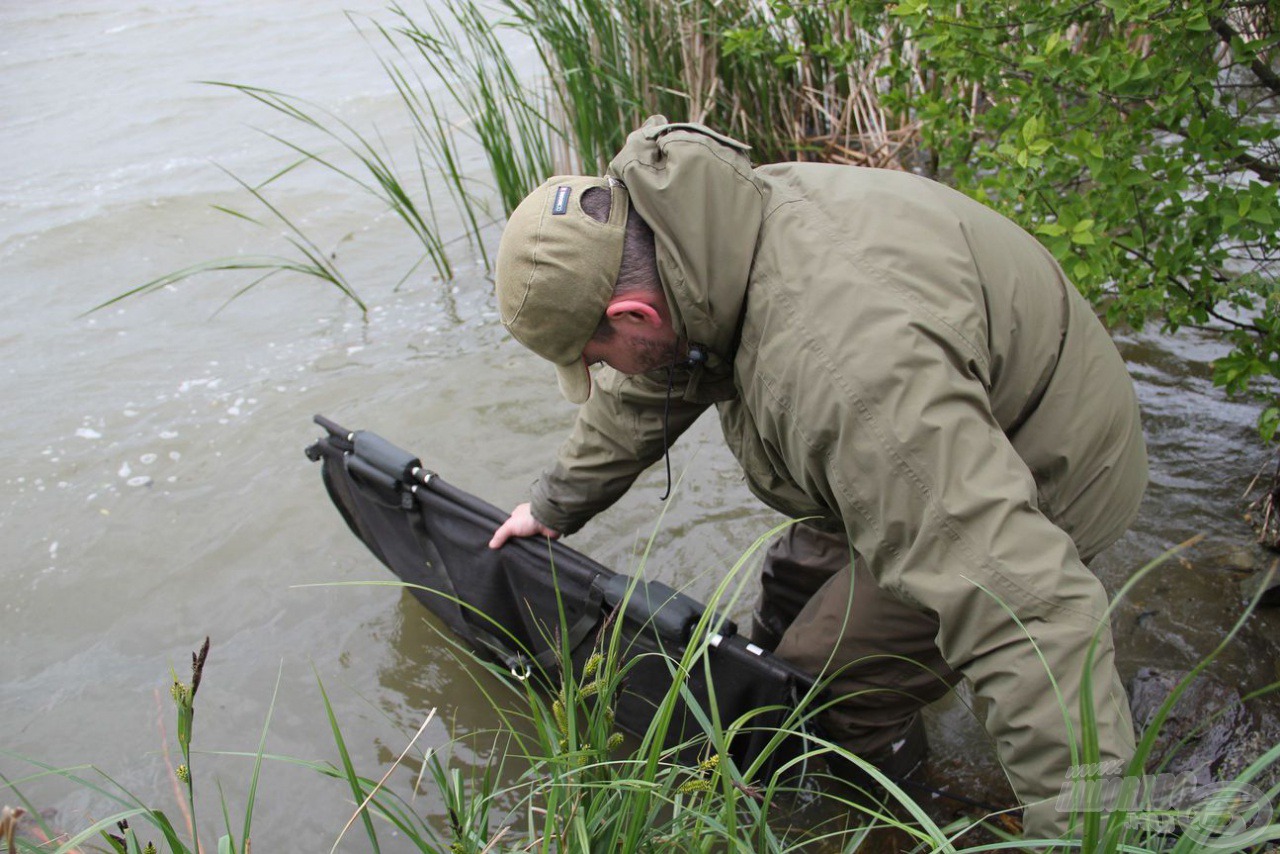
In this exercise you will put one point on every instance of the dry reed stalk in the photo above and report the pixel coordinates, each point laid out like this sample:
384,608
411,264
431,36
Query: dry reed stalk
667,57
860,129
1268,503
887,154
700,59
9,817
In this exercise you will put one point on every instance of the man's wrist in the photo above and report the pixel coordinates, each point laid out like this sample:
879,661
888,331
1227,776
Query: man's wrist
546,513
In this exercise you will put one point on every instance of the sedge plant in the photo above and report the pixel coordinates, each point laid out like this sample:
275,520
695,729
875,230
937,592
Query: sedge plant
579,784
134,827
564,777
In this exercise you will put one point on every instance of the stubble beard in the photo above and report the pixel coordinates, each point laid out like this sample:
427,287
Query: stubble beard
655,355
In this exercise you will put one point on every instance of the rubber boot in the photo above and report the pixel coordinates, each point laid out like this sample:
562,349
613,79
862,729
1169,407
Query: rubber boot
907,757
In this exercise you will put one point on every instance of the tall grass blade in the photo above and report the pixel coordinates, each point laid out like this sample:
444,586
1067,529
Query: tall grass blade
257,761
225,841
348,769
93,830
360,810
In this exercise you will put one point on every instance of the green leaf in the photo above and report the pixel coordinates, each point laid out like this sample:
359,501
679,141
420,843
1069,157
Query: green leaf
1127,241
1268,423
1030,129
908,8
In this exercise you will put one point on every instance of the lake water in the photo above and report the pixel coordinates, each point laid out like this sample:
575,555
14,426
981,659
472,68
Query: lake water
156,492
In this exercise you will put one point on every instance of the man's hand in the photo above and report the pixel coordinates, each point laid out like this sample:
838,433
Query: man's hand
521,524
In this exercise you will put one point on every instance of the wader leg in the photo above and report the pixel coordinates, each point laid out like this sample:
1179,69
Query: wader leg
796,565
847,629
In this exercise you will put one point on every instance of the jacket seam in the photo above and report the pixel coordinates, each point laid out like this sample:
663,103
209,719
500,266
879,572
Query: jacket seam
858,257
867,415
903,465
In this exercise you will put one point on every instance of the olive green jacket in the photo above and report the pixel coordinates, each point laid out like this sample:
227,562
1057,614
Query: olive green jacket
900,361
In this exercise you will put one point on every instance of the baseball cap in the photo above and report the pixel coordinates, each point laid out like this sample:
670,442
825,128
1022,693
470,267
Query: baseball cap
556,271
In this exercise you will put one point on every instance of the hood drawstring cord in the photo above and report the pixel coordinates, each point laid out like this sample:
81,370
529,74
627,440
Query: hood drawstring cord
697,356
666,417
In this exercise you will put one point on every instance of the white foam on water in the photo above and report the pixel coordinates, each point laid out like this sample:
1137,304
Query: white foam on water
186,385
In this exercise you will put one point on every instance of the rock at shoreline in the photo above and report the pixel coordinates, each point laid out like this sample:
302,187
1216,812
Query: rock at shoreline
1209,733
1270,592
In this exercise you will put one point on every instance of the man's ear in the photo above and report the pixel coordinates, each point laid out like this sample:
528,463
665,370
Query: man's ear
634,308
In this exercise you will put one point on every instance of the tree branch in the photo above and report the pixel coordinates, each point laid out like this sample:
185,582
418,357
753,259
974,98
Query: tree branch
1266,76
1264,170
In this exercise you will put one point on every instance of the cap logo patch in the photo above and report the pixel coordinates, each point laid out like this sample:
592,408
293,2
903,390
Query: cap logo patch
561,203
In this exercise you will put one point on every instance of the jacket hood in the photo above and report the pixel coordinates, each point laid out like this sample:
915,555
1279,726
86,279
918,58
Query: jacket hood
696,190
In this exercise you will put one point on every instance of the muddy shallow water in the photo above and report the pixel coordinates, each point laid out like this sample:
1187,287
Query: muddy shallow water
155,490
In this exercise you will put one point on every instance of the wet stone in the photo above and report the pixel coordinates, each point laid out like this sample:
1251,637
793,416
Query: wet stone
1210,733
1270,589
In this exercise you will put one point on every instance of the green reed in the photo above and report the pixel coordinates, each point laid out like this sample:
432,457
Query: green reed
796,81
565,779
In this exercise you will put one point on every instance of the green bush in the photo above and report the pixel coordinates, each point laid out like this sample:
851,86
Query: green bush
1136,139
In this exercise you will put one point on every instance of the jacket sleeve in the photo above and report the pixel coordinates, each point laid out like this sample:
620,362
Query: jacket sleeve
945,512
617,435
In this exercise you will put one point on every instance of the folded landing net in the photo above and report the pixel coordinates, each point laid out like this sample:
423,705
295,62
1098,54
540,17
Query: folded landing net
521,604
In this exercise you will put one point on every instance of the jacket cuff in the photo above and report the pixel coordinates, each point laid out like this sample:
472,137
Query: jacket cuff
552,513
